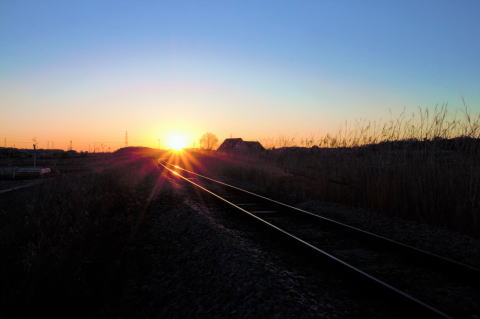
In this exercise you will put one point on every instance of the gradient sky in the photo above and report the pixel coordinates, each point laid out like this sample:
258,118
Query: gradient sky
87,70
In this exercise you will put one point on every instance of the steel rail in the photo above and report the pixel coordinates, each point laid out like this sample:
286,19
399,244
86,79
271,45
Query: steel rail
460,269
359,274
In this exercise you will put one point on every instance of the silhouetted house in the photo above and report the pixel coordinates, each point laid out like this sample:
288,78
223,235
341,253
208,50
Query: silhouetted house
237,145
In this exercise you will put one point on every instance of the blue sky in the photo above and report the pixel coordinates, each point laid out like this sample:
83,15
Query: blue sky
247,68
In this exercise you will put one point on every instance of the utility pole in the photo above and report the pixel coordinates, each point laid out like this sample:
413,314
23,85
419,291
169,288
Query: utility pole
34,152
126,138
34,155
71,147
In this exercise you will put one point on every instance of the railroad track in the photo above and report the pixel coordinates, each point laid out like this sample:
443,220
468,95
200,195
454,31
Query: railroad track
417,281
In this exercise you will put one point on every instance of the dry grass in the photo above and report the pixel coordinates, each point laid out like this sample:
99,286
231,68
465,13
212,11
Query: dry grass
423,125
69,246
424,167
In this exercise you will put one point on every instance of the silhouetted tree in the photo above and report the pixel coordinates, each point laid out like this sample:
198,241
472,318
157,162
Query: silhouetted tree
208,141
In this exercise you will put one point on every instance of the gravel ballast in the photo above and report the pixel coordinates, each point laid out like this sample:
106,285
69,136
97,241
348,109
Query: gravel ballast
209,263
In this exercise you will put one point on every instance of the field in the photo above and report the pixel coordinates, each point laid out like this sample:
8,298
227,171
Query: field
435,182
75,239
423,167
109,234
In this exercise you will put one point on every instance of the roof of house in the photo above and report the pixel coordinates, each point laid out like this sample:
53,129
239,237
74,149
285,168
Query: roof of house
238,144
254,145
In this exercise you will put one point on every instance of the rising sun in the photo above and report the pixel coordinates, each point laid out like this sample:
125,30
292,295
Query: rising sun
176,142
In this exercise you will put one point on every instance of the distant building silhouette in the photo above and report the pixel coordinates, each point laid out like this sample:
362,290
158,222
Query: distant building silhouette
238,145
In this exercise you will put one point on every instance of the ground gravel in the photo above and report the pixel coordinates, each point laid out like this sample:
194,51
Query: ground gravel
206,271
206,263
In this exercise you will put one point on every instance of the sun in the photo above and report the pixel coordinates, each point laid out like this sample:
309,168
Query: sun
176,142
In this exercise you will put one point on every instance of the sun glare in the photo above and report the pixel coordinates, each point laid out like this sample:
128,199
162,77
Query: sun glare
176,142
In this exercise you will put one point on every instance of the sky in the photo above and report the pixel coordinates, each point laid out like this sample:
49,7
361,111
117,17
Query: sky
87,71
